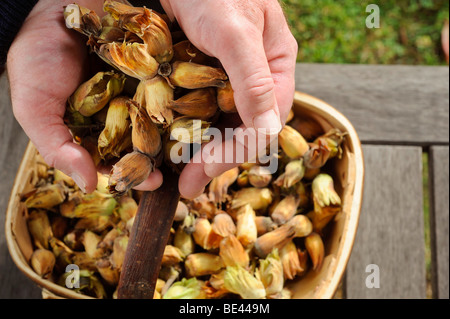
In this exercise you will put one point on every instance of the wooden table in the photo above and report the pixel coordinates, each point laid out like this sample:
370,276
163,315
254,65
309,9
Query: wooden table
400,113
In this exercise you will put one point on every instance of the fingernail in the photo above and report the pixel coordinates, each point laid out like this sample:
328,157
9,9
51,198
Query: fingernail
268,123
79,181
196,195
210,171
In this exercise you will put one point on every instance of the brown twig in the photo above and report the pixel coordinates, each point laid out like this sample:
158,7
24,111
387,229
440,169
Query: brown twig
148,240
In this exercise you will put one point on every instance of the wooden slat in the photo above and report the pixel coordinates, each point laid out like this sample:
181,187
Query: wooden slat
391,229
439,182
12,146
386,104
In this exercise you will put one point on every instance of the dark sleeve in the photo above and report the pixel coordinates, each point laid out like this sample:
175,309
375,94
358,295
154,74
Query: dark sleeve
151,4
14,12
12,16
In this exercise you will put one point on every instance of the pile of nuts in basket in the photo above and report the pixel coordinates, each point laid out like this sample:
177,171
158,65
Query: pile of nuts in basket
247,236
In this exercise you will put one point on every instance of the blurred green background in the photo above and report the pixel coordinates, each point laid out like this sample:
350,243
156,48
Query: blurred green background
330,31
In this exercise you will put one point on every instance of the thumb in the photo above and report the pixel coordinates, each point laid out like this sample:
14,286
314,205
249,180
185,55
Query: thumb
72,159
54,142
246,63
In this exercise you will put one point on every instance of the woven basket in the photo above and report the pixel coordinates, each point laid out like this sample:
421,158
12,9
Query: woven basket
349,177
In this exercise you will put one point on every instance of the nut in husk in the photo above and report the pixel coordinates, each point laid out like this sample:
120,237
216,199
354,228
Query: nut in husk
223,225
204,235
185,51
93,95
185,289
324,194
294,173
116,136
317,156
271,273
82,20
257,198
259,176
110,274
225,98
316,250
274,239
202,264
145,134
40,228
293,143
333,140
91,205
155,95
130,58
246,231
90,242
127,208
59,176
133,169
203,206
46,197
218,188
301,224
172,256
188,131
264,224
43,261
89,284
119,248
181,212
290,260
183,241
200,104
192,76
285,209
146,24
233,253
241,282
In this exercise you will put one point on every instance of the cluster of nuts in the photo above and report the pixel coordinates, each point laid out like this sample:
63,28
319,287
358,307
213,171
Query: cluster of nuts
128,117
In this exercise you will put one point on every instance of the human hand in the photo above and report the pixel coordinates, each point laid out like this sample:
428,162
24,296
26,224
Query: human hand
46,64
257,50
445,40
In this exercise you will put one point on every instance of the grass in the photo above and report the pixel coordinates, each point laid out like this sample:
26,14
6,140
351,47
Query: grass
330,31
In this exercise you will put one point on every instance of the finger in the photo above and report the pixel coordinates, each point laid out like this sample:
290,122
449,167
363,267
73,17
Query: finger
153,182
281,50
243,56
188,188
56,145
284,90
168,9
194,171
216,166
244,147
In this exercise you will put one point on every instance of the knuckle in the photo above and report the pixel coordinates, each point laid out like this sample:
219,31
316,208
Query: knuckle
293,45
259,85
